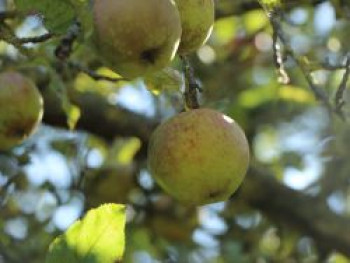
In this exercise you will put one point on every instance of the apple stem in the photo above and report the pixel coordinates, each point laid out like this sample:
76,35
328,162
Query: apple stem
191,86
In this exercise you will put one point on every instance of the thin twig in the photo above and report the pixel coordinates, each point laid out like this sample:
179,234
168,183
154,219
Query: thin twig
339,96
319,93
36,39
7,35
278,60
331,67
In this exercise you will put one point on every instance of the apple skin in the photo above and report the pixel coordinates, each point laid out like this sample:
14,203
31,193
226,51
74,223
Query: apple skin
21,109
197,20
136,37
199,157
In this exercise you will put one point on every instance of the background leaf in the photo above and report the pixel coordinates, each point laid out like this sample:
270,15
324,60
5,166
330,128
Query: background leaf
97,238
167,79
58,14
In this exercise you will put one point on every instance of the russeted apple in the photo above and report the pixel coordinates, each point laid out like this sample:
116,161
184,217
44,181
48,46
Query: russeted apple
197,20
200,156
21,109
136,37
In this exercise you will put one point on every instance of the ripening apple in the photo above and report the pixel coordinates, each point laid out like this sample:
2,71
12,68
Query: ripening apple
197,20
136,37
200,156
21,109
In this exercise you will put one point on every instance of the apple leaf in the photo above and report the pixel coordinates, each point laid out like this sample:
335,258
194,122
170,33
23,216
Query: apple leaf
58,14
97,238
71,111
270,5
167,79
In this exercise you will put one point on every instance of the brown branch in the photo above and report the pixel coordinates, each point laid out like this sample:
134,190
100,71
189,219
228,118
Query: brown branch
297,210
99,117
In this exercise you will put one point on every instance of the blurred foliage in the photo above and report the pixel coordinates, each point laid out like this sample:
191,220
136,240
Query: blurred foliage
51,180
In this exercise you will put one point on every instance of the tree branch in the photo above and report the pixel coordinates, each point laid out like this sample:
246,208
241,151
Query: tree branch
36,39
298,210
339,96
99,117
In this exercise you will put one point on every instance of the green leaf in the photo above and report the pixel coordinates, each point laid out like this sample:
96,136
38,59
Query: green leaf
270,5
225,29
254,21
58,14
72,111
167,79
97,238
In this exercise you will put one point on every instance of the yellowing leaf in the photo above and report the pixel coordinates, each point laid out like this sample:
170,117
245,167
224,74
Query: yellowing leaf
84,83
295,94
127,153
123,151
73,115
252,98
338,258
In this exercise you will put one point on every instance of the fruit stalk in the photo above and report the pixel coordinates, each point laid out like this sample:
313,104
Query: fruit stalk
191,86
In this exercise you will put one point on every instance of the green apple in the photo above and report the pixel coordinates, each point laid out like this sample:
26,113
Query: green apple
21,109
197,20
136,37
200,156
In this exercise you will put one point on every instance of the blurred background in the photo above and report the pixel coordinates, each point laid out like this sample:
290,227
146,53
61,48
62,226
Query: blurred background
294,205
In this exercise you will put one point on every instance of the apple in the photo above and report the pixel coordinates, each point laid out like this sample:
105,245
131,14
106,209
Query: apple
200,156
197,20
21,109
136,37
